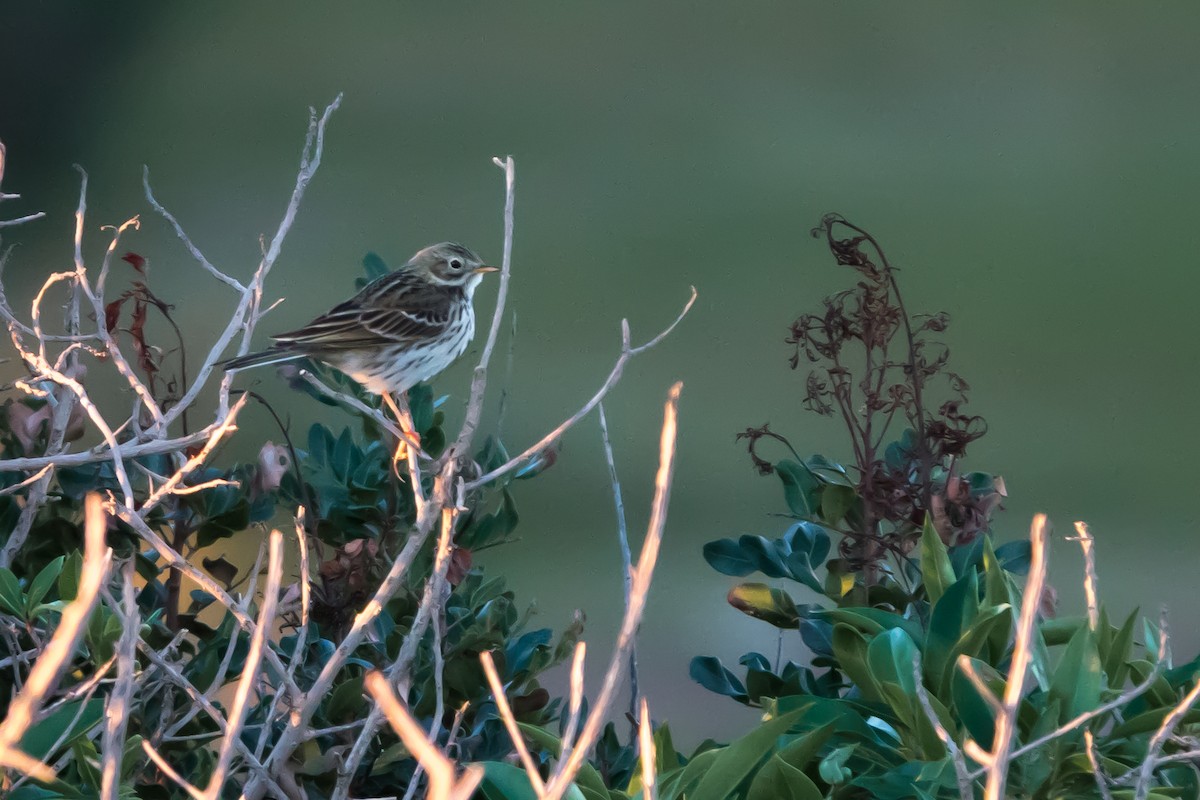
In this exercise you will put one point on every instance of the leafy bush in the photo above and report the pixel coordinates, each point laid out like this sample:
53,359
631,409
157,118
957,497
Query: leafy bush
905,614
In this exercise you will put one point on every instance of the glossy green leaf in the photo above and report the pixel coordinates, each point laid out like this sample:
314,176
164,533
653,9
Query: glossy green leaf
936,570
951,617
12,599
850,647
779,780
710,673
835,502
736,762
800,488
66,723
1116,655
726,557
873,620
1078,678
833,767
41,584
68,578
506,782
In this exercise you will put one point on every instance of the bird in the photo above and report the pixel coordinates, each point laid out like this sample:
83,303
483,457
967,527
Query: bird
401,329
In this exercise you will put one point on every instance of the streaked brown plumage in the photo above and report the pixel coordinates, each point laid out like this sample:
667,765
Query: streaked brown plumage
401,329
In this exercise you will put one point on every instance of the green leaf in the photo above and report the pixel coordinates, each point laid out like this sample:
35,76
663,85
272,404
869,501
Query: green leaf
833,766
709,672
66,723
1116,655
505,782
41,584
12,599
850,648
952,616
873,620
736,762
800,488
1078,679
835,502
68,579
779,780
727,558
771,605
936,570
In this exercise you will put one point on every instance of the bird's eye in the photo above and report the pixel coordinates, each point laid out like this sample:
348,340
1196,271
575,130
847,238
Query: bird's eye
455,264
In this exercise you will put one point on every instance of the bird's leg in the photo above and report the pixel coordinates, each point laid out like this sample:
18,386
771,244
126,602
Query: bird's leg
409,439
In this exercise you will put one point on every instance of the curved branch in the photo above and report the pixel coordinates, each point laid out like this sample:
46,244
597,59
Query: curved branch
627,352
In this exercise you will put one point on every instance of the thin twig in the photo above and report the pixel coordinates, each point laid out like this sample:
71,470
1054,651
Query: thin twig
504,711
1006,722
569,765
1089,746
238,708
1087,544
442,783
117,710
626,555
49,667
627,352
965,784
646,748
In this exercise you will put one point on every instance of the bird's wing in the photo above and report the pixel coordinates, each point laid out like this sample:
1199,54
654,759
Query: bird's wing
397,308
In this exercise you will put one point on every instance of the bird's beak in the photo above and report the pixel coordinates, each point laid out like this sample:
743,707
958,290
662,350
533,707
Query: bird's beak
481,270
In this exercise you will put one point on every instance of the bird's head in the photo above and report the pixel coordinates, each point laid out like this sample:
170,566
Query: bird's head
450,264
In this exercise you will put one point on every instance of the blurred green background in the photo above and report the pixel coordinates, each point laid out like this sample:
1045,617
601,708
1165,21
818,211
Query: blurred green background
1032,168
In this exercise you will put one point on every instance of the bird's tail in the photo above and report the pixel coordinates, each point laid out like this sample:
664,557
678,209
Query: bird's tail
275,355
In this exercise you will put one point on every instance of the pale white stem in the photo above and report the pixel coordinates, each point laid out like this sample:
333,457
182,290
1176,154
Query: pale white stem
228,425
374,414
174,559
1089,746
627,352
116,712
442,783
504,710
183,237
1151,762
34,478
646,750
199,699
104,452
569,766
574,699
1006,721
1087,544
432,601
965,784
171,773
479,377
50,665
250,672
6,223
623,542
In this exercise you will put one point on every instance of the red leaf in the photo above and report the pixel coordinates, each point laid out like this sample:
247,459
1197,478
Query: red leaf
112,313
136,261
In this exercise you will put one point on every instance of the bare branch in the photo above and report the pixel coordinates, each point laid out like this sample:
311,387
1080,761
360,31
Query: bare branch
614,376
569,765
442,783
646,751
1087,544
53,660
116,712
1006,721
250,676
